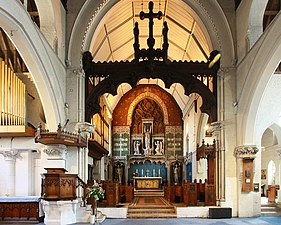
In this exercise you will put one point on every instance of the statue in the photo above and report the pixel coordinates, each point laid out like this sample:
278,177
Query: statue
159,148
136,148
147,133
119,174
176,174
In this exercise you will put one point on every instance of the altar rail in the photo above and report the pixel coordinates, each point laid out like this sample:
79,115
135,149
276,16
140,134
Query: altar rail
27,208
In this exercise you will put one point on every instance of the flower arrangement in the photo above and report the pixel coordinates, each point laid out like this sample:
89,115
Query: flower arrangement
95,191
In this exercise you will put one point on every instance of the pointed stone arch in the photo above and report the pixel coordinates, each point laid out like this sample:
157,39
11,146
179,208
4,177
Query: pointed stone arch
45,68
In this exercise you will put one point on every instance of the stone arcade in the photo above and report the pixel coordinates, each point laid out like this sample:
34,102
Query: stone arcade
172,99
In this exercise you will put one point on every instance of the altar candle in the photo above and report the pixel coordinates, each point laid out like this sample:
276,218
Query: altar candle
137,172
154,172
142,172
159,173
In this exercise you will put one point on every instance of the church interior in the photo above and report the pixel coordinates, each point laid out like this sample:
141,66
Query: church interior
139,109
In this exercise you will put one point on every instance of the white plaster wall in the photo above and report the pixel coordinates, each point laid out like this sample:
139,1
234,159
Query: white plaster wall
3,177
72,160
27,174
22,172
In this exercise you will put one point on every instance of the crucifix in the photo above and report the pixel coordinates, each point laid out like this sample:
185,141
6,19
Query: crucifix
150,15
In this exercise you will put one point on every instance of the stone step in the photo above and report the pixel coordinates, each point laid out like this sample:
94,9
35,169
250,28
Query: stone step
154,207
152,215
149,193
150,210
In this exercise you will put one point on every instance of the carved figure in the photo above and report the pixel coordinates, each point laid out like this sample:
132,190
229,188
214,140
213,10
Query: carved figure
136,148
159,148
147,134
176,174
119,174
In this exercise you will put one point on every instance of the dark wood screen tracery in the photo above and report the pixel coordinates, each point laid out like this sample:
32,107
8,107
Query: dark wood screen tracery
152,63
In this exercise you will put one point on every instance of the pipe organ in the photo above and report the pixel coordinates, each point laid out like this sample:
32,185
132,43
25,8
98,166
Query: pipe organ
12,97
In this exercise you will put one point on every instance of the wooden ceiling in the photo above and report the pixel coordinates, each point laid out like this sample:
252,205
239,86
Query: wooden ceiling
272,9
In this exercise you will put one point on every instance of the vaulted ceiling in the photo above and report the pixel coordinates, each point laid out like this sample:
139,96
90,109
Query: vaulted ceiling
114,38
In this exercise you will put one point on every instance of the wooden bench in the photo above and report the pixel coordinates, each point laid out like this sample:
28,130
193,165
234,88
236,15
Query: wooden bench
25,208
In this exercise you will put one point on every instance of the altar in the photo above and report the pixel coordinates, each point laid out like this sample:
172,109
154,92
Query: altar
146,183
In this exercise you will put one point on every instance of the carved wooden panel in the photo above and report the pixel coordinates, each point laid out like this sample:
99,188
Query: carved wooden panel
19,211
112,194
210,194
201,191
185,190
59,187
129,193
178,192
172,194
192,194
167,193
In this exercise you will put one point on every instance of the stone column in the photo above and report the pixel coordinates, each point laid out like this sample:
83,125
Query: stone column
248,202
86,130
279,178
10,159
56,156
218,134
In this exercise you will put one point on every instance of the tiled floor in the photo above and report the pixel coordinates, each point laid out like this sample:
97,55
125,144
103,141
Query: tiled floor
185,221
271,216
190,221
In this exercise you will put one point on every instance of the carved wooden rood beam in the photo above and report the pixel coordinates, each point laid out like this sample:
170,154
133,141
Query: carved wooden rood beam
151,63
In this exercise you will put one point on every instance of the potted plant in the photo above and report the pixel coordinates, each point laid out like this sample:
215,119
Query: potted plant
95,192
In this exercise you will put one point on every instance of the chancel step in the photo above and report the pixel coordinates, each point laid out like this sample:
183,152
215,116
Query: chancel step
151,212
149,193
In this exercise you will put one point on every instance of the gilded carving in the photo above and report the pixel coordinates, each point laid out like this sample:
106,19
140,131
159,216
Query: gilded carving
145,109
149,95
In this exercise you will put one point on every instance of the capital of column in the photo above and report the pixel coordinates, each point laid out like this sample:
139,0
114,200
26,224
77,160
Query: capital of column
11,155
85,128
216,128
55,151
244,151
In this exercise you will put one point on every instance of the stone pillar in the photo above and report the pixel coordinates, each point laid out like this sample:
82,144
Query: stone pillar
279,178
56,156
218,134
248,202
10,159
86,129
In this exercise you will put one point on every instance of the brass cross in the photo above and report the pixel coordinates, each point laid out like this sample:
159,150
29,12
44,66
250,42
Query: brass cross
150,15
